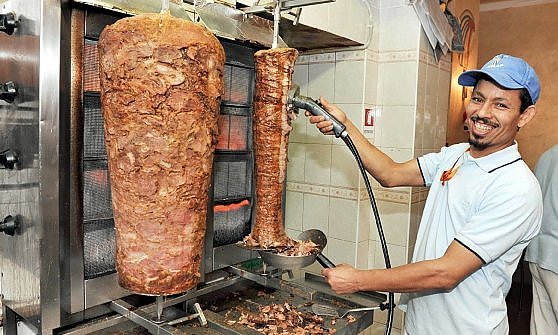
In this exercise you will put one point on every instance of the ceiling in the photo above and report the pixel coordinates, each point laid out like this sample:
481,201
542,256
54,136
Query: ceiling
486,5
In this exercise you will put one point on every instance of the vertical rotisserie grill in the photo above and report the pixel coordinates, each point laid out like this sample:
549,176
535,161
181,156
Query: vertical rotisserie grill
85,262
58,268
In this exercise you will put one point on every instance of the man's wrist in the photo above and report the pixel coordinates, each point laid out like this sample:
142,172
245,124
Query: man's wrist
360,281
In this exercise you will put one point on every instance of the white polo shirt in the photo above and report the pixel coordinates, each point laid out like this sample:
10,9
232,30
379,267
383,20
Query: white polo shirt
542,249
493,207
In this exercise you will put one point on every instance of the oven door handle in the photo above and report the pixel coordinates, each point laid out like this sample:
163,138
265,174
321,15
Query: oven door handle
8,91
9,159
8,23
9,225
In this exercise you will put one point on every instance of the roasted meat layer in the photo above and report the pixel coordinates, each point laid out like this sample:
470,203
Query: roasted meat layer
161,86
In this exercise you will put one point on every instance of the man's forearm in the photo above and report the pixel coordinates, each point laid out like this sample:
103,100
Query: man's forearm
414,277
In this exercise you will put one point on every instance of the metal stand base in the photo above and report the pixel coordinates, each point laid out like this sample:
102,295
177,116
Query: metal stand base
155,325
10,321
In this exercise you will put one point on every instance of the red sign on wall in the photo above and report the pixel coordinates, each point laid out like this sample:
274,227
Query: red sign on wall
368,117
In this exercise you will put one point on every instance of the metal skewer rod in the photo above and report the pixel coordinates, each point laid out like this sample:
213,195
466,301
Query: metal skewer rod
276,19
165,6
160,300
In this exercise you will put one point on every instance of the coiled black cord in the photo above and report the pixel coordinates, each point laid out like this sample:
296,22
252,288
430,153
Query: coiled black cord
314,107
391,303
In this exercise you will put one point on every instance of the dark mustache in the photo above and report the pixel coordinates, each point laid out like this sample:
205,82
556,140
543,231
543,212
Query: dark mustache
476,118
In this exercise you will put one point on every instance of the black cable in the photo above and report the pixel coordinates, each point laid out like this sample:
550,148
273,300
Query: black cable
391,303
316,108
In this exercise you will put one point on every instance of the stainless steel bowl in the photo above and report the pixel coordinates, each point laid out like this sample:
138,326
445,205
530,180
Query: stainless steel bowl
296,262
286,262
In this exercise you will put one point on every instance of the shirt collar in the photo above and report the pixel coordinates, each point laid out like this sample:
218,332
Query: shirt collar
497,159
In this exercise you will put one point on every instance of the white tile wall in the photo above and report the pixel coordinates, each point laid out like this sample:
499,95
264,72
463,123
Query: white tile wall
395,127
313,135
354,112
399,83
300,78
443,106
441,128
296,161
316,213
295,204
431,99
400,28
298,133
344,169
395,222
340,251
362,254
371,87
365,219
343,214
397,154
322,83
434,80
397,255
317,165
420,123
349,81
316,16
333,16
300,75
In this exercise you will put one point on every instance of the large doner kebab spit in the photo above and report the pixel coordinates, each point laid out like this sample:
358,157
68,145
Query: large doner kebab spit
161,88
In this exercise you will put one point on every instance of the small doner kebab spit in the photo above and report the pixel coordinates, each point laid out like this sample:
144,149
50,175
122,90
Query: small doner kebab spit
295,100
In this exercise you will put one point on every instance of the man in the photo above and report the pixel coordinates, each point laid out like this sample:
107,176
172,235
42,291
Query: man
483,208
541,253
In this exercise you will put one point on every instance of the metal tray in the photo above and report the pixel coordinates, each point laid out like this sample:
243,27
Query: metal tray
223,306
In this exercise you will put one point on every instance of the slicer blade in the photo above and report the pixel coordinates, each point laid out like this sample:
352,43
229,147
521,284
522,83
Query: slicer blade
322,310
327,310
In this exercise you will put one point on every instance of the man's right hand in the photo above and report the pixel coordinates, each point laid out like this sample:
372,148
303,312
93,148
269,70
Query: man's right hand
343,279
326,127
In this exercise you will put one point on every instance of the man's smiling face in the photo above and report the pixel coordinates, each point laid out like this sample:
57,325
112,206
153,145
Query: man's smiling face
493,118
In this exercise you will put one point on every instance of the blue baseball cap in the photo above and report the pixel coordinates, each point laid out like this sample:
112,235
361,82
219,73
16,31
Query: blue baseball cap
508,71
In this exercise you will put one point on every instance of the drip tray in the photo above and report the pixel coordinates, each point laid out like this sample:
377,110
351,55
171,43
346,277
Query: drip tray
224,309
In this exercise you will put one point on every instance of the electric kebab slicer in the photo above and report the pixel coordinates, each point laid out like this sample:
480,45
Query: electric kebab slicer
295,101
